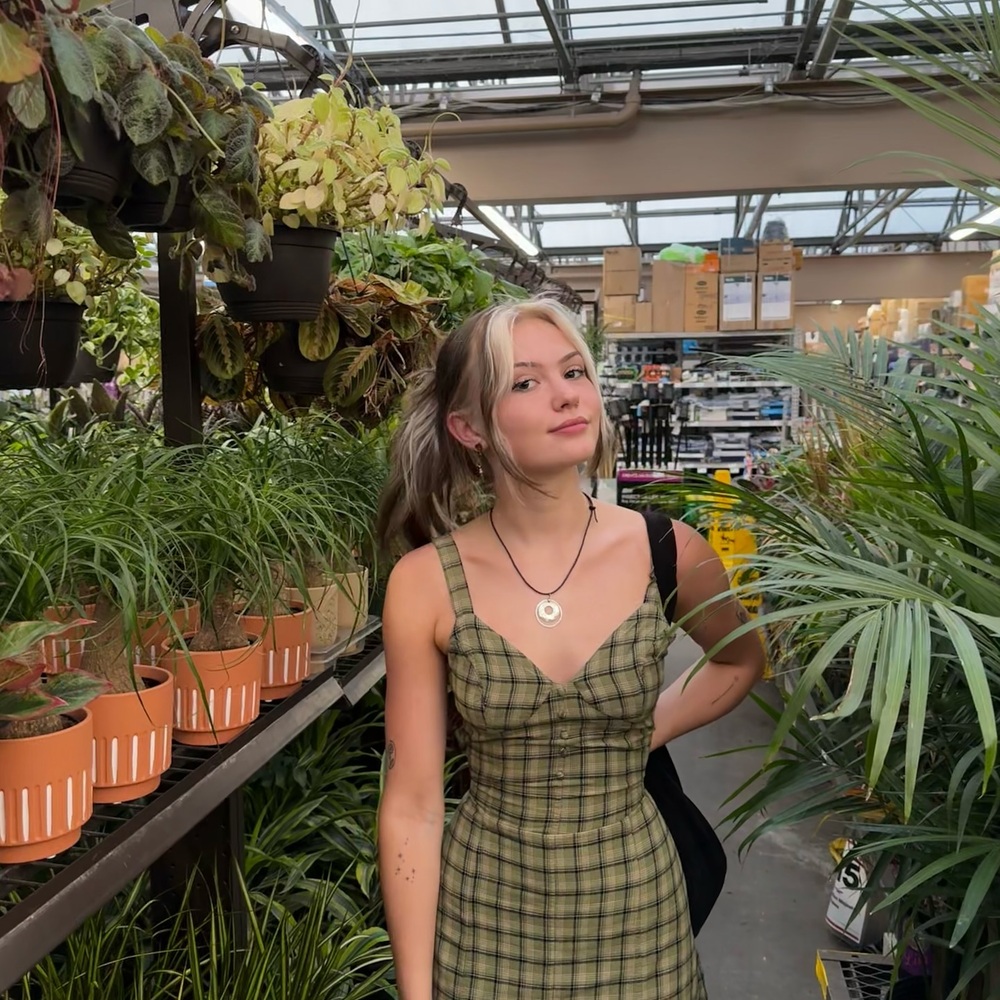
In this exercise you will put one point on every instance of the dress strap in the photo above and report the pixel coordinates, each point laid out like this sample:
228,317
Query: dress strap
454,573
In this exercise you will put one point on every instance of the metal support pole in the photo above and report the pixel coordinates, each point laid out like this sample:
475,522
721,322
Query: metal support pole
178,355
753,224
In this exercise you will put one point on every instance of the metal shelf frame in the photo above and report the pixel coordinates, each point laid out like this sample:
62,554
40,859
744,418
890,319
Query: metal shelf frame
199,794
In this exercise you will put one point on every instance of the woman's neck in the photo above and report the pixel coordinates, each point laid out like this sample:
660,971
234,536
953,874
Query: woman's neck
523,514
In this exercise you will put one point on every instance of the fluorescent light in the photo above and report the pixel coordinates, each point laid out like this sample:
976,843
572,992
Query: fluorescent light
973,226
490,217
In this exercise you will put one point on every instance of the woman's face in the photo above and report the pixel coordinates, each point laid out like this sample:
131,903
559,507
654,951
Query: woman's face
551,416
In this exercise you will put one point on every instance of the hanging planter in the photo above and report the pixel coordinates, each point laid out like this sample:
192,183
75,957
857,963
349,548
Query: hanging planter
216,692
132,736
286,644
292,285
96,368
45,788
100,160
38,342
149,208
285,369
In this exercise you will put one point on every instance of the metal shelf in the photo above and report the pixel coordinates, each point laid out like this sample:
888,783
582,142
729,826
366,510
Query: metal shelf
846,975
42,903
722,424
726,335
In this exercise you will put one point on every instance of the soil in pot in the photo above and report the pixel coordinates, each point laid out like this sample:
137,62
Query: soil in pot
216,692
38,343
292,285
286,643
132,735
286,370
45,790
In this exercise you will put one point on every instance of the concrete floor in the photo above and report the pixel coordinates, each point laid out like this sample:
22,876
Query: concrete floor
761,940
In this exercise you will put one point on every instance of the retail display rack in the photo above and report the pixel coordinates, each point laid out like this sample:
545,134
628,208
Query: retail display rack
679,409
194,817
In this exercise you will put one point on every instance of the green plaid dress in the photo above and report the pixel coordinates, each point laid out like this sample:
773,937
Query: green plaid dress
558,877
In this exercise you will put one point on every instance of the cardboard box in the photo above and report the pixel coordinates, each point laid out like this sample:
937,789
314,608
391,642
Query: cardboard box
644,317
776,300
738,262
993,294
669,280
701,299
737,301
622,271
923,310
775,257
619,313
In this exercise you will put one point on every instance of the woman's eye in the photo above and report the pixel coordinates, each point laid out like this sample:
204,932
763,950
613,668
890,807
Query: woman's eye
576,373
524,384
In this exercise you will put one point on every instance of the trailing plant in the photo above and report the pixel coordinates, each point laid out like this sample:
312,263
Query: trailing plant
67,265
187,128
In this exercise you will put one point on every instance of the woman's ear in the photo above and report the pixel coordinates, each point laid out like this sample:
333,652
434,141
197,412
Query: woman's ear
463,431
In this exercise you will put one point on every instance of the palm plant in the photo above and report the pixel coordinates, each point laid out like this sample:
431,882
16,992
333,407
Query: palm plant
901,584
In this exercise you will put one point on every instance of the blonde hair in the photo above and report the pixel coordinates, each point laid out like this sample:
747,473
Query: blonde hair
431,473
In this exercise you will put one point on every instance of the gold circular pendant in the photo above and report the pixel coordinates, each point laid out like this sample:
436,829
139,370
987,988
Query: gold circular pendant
548,613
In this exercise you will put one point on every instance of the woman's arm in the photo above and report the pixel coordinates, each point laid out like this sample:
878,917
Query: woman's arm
411,810
725,680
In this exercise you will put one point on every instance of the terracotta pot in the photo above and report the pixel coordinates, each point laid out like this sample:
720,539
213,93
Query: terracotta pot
287,642
64,650
324,603
45,791
131,747
352,605
227,699
157,633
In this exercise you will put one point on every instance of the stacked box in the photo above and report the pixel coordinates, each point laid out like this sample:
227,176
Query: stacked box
776,285
737,301
620,288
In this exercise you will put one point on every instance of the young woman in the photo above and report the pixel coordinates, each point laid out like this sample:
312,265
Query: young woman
556,877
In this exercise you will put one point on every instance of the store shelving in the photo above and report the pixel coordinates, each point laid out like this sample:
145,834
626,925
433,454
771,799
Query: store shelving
703,335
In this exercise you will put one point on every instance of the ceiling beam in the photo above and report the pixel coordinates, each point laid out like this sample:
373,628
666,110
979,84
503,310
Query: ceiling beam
881,215
504,22
830,40
567,65
803,54
752,228
327,16
737,48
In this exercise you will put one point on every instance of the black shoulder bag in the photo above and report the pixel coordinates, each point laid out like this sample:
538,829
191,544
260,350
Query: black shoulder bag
701,853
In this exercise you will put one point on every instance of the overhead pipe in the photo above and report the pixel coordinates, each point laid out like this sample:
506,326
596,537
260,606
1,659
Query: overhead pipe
628,112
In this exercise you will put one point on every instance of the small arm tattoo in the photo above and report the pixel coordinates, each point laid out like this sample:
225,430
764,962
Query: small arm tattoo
390,752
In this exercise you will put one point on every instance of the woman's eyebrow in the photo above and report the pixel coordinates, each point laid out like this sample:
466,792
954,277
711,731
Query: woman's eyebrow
535,364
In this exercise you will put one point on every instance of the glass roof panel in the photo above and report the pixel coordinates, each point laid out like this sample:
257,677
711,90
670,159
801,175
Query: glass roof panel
693,229
810,222
666,19
570,233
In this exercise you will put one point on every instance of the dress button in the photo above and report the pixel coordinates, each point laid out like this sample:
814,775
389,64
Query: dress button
565,734
562,750
559,774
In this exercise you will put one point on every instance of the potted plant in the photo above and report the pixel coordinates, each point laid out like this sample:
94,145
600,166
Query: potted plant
44,290
124,128
46,732
326,167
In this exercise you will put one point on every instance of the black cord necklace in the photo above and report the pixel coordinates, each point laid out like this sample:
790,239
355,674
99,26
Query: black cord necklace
548,612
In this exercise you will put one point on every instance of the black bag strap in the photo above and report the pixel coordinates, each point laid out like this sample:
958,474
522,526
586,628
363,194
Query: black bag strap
663,546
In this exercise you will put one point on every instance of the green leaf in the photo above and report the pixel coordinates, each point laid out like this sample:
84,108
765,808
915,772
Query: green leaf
241,153
145,108
349,375
920,674
75,687
405,324
220,218
110,234
258,102
115,56
187,57
153,162
72,59
318,339
256,244
26,211
18,59
30,704
110,112
222,347
27,101
975,676
896,670
216,124
979,885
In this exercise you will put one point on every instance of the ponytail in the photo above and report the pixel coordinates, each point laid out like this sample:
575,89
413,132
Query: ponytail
429,473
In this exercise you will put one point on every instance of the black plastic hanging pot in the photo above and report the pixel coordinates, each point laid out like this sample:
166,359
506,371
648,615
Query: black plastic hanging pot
100,368
99,172
38,343
292,285
147,208
286,370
